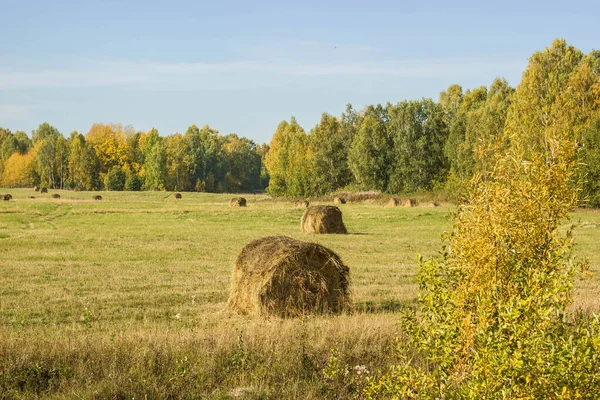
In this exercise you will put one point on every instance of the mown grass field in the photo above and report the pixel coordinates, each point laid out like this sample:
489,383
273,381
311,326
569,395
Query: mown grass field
125,297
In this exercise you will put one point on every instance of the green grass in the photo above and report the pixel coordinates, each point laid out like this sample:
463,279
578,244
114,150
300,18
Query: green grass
125,297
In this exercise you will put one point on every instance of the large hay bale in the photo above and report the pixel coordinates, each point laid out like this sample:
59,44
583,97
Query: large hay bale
278,275
177,195
394,202
410,203
322,219
339,200
97,197
237,202
55,196
44,190
301,204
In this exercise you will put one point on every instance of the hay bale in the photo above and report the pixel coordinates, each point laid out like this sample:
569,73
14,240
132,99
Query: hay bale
55,196
97,197
6,197
177,195
32,197
394,202
44,190
37,189
301,204
339,200
322,219
237,202
432,204
278,275
77,190
410,203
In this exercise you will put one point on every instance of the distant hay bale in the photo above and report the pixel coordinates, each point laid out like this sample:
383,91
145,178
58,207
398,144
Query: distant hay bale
6,197
32,197
281,276
322,219
37,189
55,196
301,204
410,203
394,202
178,195
97,197
432,204
155,189
237,202
339,200
44,190
77,190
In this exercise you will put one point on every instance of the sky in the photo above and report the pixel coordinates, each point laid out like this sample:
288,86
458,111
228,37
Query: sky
244,66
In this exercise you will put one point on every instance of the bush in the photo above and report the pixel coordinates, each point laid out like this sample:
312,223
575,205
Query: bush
133,182
115,179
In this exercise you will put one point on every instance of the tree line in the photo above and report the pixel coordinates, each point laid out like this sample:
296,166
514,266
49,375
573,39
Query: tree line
114,157
411,146
425,145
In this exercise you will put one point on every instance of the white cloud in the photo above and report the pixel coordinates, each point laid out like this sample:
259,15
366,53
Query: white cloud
104,73
12,113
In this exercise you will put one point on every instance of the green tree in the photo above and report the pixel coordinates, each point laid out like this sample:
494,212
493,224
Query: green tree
242,163
330,144
370,154
288,161
418,132
155,161
82,163
205,163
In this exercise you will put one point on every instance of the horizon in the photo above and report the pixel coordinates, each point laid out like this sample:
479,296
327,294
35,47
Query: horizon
243,68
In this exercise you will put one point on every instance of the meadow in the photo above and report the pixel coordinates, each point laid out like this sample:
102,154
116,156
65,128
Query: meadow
126,297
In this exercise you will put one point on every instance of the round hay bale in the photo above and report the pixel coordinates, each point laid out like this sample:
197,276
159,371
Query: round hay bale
322,219
177,195
44,190
97,197
55,196
32,197
394,202
237,202
410,203
278,275
37,189
7,197
77,190
301,204
433,204
155,189
339,200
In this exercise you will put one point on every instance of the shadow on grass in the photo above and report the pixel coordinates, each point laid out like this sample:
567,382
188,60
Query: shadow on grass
385,306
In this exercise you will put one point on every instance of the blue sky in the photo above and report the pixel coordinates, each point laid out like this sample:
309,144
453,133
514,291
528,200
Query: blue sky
243,66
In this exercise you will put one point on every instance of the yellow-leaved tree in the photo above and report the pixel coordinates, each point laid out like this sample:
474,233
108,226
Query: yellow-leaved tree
493,321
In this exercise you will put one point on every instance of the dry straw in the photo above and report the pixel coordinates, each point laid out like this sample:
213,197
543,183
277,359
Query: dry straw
322,219
281,276
393,202
237,202
6,197
177,195
44,190
410,203
97,197
301,204
55,196
339,200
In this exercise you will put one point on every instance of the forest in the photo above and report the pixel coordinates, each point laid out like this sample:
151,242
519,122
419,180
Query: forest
411,146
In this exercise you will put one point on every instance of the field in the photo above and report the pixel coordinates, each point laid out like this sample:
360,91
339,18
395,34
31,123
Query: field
125,297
